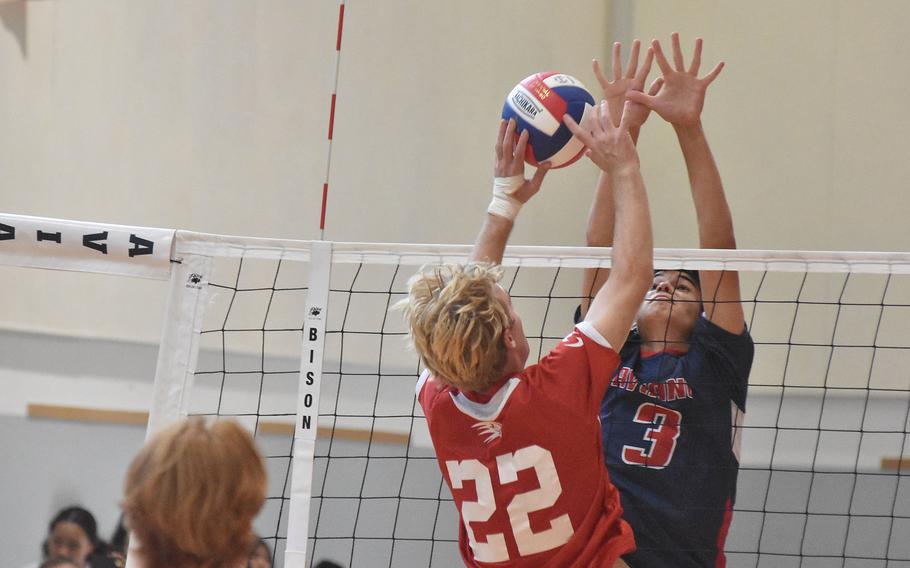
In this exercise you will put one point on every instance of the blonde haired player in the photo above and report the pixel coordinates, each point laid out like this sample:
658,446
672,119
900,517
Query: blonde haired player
520,448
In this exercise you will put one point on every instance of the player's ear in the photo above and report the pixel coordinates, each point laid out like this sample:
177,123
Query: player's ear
508,339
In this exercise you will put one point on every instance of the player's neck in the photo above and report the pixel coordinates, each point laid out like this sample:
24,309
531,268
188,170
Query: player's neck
650,348
666,341
487,393
664,336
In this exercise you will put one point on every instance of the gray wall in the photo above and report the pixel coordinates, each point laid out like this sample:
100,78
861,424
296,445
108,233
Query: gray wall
48,465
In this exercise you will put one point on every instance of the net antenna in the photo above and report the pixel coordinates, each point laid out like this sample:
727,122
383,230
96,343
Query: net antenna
328,159
294,339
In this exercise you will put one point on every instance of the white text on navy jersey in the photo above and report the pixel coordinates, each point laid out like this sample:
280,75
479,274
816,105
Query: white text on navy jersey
666,391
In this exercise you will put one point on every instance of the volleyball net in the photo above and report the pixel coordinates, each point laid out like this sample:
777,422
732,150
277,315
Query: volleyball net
294,339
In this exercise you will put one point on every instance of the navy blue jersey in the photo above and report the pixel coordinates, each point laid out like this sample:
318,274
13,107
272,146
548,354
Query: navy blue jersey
671,444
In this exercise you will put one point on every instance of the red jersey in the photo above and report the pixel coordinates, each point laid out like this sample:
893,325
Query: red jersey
525,464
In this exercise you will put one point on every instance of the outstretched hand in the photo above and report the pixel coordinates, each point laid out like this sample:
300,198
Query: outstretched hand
609,145
633,79
510,161
682,97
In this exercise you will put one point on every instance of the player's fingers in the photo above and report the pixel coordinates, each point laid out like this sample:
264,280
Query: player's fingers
645,68
641,98
598,72
656,85
677,52
709,78
633,59
696,58
508,142
519,151
609,118
624,121
617,63
542,170
661,58
577,130
500,137
588,118
603,115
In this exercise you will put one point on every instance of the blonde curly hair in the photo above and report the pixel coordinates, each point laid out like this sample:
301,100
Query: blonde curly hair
457,323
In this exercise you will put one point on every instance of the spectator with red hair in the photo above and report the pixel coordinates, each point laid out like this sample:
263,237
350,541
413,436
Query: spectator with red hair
191,494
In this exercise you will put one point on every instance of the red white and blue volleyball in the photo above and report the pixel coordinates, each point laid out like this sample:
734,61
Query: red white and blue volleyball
538,104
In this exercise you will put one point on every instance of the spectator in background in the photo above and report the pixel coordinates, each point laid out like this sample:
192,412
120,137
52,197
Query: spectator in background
191,494
120,543
260,555
72,535
58,563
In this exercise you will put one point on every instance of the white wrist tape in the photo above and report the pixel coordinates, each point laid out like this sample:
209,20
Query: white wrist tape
503,204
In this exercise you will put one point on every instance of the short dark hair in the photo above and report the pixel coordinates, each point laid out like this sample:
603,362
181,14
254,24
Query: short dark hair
79,516
690,274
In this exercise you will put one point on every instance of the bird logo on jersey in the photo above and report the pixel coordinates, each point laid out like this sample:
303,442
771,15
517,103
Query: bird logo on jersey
578,341
490,429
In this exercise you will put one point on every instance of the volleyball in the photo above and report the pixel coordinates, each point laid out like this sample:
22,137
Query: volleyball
538,104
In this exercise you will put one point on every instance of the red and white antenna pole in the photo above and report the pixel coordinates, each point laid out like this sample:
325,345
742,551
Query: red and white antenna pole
328,160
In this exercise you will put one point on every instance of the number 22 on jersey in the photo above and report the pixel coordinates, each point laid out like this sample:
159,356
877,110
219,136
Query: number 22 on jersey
508,465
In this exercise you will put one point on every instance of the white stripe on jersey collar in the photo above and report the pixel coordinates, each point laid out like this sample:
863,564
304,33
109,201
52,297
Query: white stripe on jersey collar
489,410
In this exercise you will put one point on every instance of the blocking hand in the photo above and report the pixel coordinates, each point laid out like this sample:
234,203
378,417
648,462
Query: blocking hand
633,79
682,97
609,145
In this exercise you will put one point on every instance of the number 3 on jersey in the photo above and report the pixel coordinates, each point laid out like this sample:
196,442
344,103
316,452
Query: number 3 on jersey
662,435
522,504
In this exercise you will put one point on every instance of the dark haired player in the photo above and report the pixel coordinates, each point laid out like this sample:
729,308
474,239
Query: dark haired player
671,412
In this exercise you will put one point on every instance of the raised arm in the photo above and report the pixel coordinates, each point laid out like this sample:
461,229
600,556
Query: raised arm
680,103
615,304
600,216
510,191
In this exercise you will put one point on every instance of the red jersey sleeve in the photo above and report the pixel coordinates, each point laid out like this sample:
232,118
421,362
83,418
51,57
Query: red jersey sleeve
427,389
578,370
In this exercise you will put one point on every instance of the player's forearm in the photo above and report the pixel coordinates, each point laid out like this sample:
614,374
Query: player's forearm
599,234
715,222
600,218
491,242
633,246
613,309
600,231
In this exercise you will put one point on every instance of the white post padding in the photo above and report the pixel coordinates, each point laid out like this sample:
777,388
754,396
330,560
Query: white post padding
179,347
308,404
178,350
